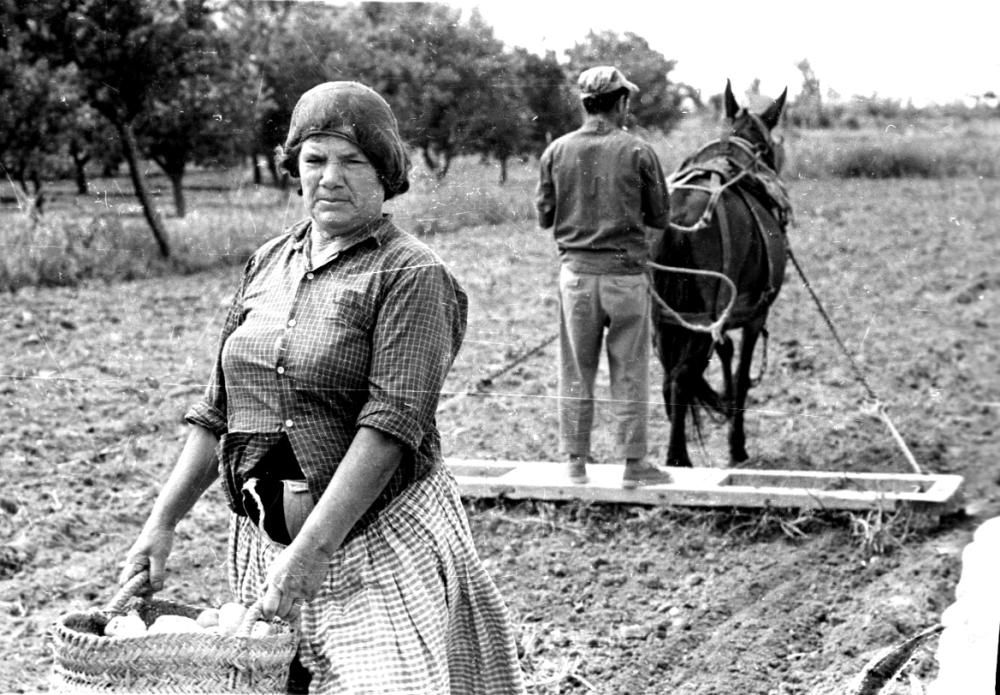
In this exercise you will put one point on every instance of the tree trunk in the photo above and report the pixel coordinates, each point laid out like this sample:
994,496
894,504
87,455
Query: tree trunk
503,170
82,187
445,165
177,184
429,158
131,151
79,162
38,199
255,165
280,180
31,203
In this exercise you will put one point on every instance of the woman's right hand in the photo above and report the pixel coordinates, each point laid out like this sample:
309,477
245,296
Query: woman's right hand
149,551
195,470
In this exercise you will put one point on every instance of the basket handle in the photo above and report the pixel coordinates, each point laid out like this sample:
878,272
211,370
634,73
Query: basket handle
127,591
253,614
140,581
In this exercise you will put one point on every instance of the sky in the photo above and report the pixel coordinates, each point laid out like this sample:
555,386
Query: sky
939,51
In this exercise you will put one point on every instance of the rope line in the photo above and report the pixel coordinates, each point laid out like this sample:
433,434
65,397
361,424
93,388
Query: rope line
859,374
480,386
716,328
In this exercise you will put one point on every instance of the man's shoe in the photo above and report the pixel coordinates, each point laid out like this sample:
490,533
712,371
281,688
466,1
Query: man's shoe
576,467
639,474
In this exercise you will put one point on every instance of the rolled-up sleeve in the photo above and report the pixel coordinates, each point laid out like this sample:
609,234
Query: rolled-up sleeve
420,326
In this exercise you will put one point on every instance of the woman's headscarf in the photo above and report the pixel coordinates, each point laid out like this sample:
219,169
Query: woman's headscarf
358,114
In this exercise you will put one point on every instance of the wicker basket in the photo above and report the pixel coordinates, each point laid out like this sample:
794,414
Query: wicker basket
189,662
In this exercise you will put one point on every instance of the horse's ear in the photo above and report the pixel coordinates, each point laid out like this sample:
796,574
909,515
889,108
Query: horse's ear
731,106
773,112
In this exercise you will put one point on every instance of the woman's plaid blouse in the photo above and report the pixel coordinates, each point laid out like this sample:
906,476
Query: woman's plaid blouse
365,339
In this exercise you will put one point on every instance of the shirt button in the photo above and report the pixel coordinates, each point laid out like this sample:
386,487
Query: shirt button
309,276
289,423
291,323
281,370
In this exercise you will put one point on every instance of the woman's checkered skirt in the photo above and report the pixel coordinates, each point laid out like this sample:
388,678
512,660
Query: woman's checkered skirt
406,608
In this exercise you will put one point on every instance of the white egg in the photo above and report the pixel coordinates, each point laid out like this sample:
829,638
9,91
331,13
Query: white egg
231,616
208,617
262,629
130,625
173,623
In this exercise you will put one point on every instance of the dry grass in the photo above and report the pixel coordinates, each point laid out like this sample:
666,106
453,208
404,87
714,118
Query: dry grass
922,150
925,149
104,235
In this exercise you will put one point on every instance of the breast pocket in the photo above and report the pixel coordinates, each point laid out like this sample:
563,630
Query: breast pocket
348,309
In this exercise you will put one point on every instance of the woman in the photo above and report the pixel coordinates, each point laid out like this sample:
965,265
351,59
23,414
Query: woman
320,417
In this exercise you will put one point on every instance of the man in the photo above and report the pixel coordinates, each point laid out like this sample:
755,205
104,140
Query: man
599,189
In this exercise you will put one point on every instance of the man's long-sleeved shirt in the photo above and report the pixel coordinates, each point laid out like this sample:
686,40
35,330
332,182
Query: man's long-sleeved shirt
599,188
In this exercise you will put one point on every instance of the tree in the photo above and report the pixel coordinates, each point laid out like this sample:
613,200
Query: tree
126,52
277,39
27,120
84,135
807,108
204,117
47,128
439,73
498,124
547,93
495,118
422,74
658,104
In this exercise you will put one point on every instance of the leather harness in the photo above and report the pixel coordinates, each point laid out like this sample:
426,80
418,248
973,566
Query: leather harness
733,162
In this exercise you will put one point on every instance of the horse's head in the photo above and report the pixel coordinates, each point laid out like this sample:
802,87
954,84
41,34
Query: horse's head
755,128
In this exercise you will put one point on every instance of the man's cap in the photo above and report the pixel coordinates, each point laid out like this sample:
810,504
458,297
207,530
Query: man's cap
603,79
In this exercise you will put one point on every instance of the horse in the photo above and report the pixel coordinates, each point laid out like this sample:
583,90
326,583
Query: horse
718,268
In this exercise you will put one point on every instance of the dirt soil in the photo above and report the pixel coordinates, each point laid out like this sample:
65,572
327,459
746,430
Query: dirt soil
607,599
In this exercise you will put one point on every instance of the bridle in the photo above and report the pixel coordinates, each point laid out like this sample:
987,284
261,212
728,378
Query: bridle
767,147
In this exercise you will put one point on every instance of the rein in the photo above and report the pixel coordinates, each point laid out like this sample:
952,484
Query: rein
680,180
762,129
716,328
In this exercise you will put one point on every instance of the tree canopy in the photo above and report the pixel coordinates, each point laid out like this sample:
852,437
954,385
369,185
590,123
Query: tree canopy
658,103
210,82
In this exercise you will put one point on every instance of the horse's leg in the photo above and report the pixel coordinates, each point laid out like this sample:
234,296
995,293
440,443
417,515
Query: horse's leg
725,352
671,349
685,388
678,397
737,436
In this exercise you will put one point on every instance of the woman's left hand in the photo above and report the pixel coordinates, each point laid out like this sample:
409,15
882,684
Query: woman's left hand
299,570
295,575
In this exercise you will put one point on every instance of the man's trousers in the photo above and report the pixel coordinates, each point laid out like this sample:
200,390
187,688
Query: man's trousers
613,310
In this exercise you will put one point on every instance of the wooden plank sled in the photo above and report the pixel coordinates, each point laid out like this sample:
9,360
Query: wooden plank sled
714,487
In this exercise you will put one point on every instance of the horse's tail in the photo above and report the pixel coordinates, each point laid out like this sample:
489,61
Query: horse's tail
677,348
705,399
